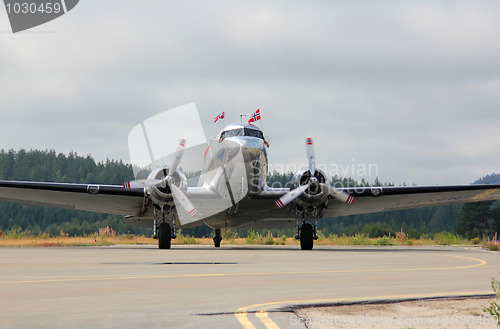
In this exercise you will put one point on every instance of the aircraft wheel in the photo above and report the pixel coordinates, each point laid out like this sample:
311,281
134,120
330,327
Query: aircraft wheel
306,237
164,236
217,238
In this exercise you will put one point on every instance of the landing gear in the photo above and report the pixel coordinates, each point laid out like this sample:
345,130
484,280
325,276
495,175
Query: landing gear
165,231
217,238
306,232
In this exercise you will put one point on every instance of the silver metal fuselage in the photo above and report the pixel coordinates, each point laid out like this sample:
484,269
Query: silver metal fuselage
252,152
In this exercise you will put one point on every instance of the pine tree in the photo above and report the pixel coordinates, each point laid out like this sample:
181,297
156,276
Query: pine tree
476,220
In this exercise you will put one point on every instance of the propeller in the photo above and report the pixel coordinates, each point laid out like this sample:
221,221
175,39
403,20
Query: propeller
313,181
310,156
168,180
338,194
290,196
141,183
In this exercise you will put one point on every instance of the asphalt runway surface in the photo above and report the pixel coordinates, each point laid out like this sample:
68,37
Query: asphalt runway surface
231,287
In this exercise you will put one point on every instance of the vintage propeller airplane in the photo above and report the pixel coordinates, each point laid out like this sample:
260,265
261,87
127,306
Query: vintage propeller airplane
233,192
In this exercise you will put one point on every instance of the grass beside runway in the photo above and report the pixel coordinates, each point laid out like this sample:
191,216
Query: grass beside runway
108,237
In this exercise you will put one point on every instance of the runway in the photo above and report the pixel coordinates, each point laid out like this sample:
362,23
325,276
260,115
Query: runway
231,287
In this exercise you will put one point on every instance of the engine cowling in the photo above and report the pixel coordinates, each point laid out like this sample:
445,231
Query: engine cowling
162,196
314,195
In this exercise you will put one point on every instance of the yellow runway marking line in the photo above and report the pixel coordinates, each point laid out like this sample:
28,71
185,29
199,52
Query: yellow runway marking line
481,262
478,249
142,277
260,308
244,321
266,320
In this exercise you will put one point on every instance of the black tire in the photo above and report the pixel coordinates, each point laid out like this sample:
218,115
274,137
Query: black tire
217,238
306,237
164,236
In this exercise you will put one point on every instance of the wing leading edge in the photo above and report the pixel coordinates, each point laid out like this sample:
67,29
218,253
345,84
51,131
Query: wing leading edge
111,199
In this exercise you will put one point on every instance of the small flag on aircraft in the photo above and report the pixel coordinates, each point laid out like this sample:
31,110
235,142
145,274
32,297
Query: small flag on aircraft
255,116
220,116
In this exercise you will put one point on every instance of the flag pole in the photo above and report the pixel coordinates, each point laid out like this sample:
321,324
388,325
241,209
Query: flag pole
261,122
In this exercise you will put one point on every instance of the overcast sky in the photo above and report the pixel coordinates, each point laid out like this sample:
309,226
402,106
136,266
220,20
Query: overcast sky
411,86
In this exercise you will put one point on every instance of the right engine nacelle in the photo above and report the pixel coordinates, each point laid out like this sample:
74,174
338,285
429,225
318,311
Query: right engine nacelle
314,195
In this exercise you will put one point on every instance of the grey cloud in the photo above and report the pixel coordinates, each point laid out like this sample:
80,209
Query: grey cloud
408,85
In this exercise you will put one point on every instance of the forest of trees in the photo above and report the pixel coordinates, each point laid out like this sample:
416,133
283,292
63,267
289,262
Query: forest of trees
469,220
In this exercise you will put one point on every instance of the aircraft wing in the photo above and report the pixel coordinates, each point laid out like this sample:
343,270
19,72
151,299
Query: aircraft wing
378,199
111,199
264,213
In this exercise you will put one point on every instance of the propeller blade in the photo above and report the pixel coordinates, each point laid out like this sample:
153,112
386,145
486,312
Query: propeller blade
338,194
310,156
290,196
141,183
183,200
178,156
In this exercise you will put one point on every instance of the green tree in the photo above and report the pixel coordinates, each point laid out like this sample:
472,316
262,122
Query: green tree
476,220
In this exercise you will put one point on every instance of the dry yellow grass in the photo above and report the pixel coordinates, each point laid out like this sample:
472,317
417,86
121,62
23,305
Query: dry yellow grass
65,241
75,241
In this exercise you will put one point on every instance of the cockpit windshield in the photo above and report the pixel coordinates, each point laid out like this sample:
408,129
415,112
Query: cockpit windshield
241,132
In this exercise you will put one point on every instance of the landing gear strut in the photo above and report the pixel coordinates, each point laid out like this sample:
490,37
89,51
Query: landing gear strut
217,238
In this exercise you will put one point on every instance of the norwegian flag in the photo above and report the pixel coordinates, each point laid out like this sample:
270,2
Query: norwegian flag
220,116
255,116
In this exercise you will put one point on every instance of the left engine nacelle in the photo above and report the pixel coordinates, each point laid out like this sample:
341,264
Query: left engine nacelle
162,196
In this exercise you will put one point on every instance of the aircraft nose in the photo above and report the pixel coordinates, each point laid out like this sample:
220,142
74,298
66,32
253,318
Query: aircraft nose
251,146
